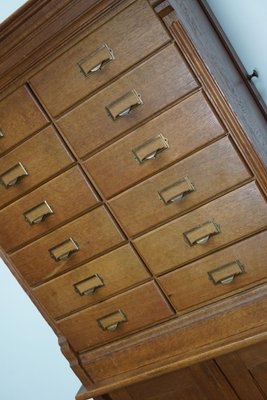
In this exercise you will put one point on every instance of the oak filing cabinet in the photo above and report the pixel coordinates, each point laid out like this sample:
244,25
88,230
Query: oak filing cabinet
133,186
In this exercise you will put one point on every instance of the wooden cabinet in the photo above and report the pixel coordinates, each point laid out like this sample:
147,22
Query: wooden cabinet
133,194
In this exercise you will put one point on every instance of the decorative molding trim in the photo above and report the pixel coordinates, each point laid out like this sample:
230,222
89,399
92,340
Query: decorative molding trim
203,334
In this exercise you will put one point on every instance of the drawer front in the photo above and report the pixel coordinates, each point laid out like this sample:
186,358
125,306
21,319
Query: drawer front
20,117
132,35
92,282
92,234
219,274
187,126
57,201
186,184
139,307
160,80
229,218
41,157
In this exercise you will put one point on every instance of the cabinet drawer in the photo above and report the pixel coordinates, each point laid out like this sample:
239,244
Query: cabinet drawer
160,80
92,234
186,184
20,116
36,160
132,35
139,307
187,126
92,282
219,274
48,206
233,216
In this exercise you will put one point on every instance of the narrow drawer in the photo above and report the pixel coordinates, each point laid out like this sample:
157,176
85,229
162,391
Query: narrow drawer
36,160
177,189
92,282
159,81
20,117
219,274
82,239
131,35
139,307
187,126
229,218
58,200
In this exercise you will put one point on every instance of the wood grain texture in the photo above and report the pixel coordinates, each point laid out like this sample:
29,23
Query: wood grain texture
212,170
118,269
216,59
160,80
43,156
239,214
95,232
20,116
68,195
200,49
187,126
194,278
203,381
61,83
214,330
83,331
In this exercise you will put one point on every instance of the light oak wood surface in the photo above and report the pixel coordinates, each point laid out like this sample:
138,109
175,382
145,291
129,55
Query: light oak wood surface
83,330
94,233
160,80
61,83
68,195
211,171
20,117
119,270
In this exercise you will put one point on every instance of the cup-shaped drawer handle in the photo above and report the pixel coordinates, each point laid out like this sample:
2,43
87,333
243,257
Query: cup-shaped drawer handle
96,60
123,106
150,149
110,322
176,191
89,285
64,250
1,133
202,233
39,213
13,175
226,273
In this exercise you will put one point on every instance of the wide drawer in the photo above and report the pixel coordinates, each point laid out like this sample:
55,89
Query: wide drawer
219,274
139,307
187,126
36,160
160,80
182,186
227,219
57,201
20,116
92,282
82,239
132,35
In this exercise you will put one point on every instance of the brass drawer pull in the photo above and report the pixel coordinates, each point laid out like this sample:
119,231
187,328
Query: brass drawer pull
1,133
13,175
225,274
89,285
38,213
64,250
110,322
202,233
177,191
150,149
124,104
96,60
